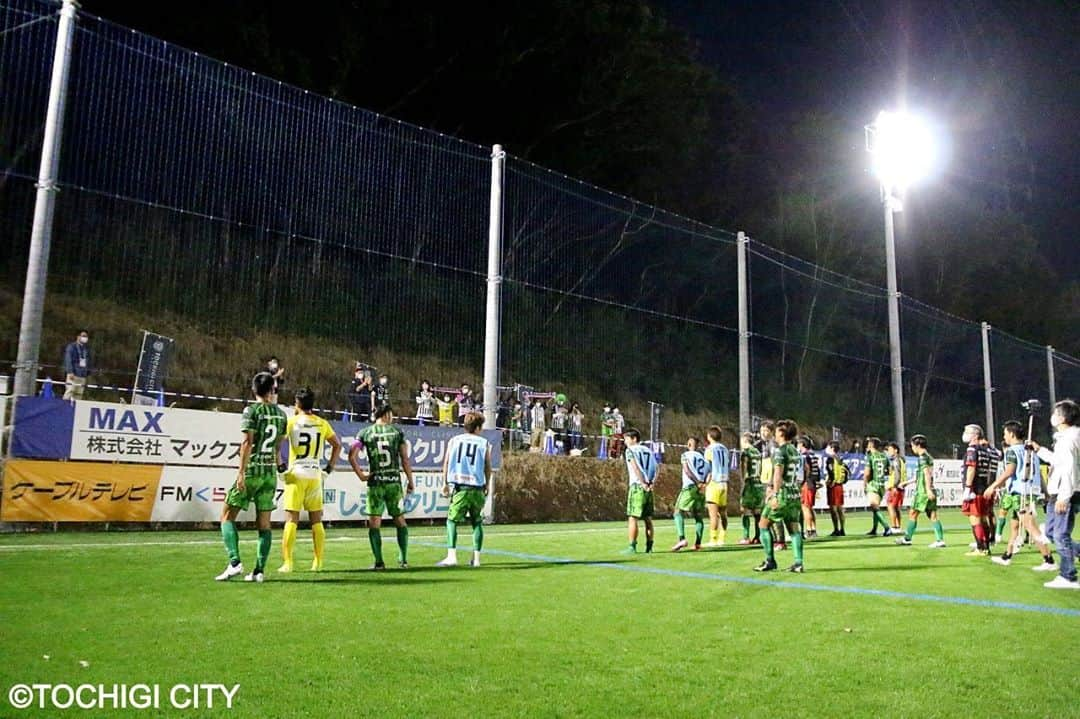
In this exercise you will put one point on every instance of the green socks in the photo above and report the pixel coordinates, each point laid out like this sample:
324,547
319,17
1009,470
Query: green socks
909,531
1000,530
939,531
680,525
451,534
879,516
478,536
766,541
746,526
232,541
699,531
797,544
403,543
375,538
264,549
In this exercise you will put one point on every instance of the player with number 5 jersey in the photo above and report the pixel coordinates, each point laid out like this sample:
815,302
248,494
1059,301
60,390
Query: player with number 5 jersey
466,480
387,455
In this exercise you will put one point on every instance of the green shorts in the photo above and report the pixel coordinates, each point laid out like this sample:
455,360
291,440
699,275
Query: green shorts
877,488
467,502
384,497
786,511
923,504
1011,504
639,503
260,483
753,496
691,499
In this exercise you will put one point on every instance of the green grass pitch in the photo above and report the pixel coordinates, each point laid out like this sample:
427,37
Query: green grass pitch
871,629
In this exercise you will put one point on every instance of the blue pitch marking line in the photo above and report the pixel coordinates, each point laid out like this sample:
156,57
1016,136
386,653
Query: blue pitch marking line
987,603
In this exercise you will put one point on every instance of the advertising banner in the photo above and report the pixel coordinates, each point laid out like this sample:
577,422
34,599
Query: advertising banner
154,358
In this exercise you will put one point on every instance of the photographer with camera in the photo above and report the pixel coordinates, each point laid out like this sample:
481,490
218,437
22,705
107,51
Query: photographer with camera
1063,489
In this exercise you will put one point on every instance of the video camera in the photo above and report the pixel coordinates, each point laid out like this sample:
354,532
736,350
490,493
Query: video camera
1031,406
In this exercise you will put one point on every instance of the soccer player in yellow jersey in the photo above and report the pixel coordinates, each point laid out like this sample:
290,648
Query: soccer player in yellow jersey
308,435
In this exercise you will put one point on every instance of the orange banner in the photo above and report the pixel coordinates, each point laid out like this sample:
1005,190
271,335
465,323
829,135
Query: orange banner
40,491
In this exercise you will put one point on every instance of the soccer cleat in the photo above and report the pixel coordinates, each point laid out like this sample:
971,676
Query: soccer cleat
796,568
1045,567
1060,582
316,565
448,562
977,553
681,544
871,533
780,546
629,550
755,542
767,566
834,533
973,545
842,533
231,570
285,568
377,567
904,542
744,541
888,532
403,565
474,562
255,576
697,547
937,545
1001,560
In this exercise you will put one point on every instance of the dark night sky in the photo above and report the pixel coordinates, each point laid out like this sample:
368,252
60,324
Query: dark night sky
1001,76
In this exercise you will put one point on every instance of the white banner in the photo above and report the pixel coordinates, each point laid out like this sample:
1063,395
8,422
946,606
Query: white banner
109,432
186,494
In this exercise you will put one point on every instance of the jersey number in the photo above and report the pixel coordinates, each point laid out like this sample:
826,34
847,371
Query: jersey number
270,443
383,448
310,445
470,452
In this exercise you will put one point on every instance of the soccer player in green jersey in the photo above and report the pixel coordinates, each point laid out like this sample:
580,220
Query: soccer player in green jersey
387,456
1020,482
784,505
874,477
752,498
263,424
925,501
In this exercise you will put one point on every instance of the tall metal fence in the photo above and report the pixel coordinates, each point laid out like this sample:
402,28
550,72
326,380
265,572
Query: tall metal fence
197,192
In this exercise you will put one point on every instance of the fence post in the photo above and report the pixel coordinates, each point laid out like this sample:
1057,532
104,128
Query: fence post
37,267
988,384
1050,374
744,336
492,326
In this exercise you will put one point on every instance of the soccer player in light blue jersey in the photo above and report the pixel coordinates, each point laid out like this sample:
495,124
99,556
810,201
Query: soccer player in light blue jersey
719,459
466,480
641,471
691,499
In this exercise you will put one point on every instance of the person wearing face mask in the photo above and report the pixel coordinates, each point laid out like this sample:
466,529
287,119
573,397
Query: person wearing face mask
277,372
77,366
360,395
425,404
1063,488
465,403
380,395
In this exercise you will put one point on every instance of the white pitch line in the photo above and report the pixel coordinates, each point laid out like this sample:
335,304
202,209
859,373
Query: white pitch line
343,538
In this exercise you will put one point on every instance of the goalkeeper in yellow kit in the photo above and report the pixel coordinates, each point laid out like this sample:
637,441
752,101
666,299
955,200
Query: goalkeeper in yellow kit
309,435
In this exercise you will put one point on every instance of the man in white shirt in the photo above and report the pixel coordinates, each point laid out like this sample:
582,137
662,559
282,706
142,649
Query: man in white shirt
1063,489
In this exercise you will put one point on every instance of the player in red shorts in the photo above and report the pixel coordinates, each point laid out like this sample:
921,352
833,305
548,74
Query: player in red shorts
836,475
976,507
894,488
810,480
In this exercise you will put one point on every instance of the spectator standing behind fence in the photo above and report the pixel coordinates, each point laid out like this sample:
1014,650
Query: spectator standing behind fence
380,395
465,402
618,423
577,422
360,394
607,423
277,371
446,411
517,417
78,363
425,404
537,424
560,420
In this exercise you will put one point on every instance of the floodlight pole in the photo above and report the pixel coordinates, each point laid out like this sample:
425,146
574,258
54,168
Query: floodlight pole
37,266
1050,374
744,335
891,205
494,288
988,383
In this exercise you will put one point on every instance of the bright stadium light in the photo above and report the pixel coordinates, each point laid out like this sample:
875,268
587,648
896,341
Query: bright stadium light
903,152
903,149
